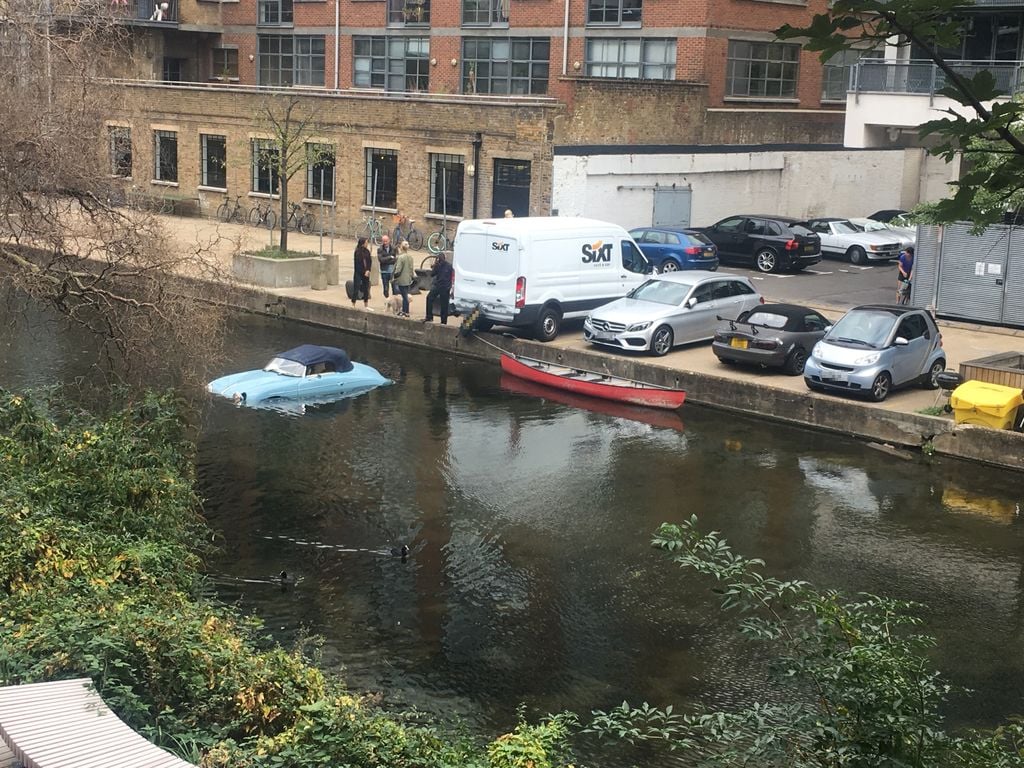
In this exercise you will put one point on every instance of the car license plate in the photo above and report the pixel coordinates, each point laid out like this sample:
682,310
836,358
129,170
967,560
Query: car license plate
604,336
738,343
837,376
808,249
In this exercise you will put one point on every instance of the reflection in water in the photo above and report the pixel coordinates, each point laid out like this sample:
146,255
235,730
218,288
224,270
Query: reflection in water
530,575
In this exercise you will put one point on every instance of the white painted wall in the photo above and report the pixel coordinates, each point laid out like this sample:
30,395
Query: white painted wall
620,188
869,114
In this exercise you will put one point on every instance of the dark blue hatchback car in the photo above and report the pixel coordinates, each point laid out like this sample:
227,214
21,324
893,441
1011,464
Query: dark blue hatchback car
670,249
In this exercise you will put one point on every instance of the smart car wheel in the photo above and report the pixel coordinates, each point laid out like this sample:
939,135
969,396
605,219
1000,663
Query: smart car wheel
929,380
548,324
856,255
661,341
796,361
881,387
766,260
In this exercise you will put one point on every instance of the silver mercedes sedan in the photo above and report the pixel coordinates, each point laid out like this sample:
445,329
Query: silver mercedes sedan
670,309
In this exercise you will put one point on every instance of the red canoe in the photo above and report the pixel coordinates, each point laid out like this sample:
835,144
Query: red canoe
593,384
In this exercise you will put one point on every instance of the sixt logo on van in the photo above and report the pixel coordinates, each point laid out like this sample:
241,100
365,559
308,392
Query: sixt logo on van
599,251
499,246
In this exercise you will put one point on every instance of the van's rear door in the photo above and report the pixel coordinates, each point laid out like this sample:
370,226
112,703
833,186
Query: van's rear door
486,270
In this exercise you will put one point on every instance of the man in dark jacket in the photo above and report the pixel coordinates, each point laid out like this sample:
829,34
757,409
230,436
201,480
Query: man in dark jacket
386,256
440,289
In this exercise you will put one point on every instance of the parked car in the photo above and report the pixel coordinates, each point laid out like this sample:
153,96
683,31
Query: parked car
310,373
670,249
666,310
843,238
907,234
772,336
875,349
887,214
769,243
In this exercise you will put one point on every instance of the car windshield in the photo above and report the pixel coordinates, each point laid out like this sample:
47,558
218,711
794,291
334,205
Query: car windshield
845,227
698,238
866,327
661,292
767,319
869,225
285,367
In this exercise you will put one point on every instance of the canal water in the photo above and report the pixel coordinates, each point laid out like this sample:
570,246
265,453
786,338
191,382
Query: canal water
530,576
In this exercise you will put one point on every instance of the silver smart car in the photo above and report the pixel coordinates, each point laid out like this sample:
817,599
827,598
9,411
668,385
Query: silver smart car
875,349
670,309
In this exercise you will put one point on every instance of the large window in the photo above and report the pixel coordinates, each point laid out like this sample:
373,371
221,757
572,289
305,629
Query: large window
273,13
409,12
174,69
225,64
446,184
286,60
502,65
485,11
392,63
165,156
835,73
213,161
614,11
766,70
266,158
320,172
631,58
382,178
120,145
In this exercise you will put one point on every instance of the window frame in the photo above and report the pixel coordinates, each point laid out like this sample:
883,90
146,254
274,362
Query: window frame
289,71
230,69
161,136
262,150
381,68
621,63
455,165
119,146
606,8
387,159
759,70
507,66
317,155
496,12
400,11
205,159
275,13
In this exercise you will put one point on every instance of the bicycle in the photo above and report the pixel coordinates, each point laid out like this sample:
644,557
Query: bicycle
372,227
228,212
903,292
410,234
262,215
299,219
439,241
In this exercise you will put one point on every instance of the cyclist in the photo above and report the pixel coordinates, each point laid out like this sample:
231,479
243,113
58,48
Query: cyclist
905,267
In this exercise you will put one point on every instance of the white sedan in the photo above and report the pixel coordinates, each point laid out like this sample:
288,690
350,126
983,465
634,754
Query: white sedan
906,235
842,238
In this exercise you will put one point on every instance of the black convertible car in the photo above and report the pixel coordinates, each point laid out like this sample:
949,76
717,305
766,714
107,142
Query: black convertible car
772,336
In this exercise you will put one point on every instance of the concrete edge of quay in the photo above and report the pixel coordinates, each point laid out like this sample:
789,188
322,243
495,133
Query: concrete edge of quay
849,417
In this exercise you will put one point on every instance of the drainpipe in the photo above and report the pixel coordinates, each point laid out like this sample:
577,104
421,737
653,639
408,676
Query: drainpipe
477,143
337,39
565,41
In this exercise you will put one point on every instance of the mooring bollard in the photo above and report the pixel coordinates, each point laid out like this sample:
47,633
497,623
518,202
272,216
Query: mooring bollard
320,278
332,268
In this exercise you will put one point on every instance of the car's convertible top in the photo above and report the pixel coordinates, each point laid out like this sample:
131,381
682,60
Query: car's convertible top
311,354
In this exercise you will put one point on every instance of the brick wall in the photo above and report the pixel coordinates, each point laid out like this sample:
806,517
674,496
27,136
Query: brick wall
415,127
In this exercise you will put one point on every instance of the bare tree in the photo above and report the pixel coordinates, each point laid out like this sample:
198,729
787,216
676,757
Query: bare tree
289,149
65,242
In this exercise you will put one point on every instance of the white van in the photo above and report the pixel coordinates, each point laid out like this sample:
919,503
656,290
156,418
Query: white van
533,272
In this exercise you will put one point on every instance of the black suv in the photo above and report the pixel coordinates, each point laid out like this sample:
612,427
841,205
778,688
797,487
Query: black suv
770,243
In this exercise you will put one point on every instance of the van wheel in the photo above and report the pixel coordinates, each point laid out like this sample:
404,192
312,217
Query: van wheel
483,324
661,341
548,323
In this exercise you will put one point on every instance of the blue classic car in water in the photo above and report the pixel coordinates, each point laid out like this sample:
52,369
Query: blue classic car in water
310,373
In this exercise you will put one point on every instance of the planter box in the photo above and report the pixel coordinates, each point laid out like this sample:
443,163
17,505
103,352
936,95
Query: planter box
1006,369
299,272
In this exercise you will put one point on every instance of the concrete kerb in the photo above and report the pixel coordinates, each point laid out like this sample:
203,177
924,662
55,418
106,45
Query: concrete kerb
838,415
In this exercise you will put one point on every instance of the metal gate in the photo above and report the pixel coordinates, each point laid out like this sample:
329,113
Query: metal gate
975,277
671,207
511,188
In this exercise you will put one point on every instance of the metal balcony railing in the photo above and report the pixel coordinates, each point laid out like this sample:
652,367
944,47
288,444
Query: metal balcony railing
153,11
925,78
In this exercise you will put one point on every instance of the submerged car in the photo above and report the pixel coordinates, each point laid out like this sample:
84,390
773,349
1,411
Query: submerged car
875,349
842,238
310,373
772,336
670,309
670,249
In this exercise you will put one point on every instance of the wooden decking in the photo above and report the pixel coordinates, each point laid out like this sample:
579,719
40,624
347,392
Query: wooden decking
65,724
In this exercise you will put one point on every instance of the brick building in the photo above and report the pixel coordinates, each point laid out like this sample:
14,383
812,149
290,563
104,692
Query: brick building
462,107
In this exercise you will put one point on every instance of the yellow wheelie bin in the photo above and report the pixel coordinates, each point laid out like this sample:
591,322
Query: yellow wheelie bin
991,405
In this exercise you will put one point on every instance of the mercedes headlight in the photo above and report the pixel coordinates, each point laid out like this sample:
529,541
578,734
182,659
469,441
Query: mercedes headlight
639,327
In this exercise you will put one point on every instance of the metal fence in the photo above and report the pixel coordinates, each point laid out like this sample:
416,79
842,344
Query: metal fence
925,78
